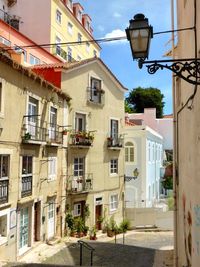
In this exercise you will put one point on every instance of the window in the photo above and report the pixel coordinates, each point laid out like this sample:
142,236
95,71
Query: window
77,209
95,53
34,60
87,47
88,25
69,54
129,152
3,226
95,90
149,151
80,122
5,41
114,132
27,174
32,117
70,4
52,166
79,164
53,123
58,16
27,165
79,38
114,166
4,178
70,28
113,202
79,15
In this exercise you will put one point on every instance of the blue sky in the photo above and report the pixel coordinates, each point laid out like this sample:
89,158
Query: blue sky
110,18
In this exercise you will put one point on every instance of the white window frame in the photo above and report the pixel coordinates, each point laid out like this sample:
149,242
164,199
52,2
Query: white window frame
70,28
4,239
2,97
79,37
114,166
114,202
35,60
58,16
70,4
79,15
128,146
52,168
80,172
87,47
5,41
78,118
77,210
69,54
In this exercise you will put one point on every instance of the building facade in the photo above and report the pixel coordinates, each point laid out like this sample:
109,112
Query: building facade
187,146
56,22
143,160
95,176
32,159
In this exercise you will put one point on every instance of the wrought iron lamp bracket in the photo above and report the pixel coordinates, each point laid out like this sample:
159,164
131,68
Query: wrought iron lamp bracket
187,69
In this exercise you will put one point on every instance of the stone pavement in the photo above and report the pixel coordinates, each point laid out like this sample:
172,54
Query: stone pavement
136,252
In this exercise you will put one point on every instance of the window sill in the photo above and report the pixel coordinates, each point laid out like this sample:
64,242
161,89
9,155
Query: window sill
3,240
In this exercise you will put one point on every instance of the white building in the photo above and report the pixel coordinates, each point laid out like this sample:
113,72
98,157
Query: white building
143,159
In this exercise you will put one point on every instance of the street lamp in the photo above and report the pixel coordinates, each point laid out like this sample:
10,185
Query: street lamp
139,34
134,177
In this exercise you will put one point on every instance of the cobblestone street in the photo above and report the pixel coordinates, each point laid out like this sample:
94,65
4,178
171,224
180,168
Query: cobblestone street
141,249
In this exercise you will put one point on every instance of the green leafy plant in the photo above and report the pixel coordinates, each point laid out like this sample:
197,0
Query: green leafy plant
27,136
124,225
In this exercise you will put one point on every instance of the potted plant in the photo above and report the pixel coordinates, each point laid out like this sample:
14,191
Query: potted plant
27,136
85,230
64,132
112,227
124,225
79,225
93,233
69,219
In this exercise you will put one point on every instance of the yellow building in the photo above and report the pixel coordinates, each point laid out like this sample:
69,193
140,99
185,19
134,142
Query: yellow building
95,158
33,115
56,22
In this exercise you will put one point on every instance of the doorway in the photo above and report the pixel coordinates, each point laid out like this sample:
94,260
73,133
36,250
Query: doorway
37,223
98,216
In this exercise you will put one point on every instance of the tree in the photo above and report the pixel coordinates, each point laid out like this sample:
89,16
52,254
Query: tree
140,98
128,107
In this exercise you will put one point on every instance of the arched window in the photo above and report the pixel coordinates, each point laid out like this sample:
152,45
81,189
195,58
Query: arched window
129,152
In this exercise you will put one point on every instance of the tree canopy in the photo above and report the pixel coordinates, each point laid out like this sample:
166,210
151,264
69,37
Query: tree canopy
140,98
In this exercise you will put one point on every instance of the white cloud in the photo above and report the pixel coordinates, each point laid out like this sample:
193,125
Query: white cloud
117,15
117,33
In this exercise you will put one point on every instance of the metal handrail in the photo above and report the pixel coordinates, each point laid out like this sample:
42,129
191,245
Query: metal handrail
87,246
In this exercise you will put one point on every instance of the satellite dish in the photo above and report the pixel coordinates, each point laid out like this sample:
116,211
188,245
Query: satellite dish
54,98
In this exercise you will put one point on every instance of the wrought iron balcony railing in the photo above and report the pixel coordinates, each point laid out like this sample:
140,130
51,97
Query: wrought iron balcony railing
78,184
33,130
115,141
54,134
84,138
95,96
26,186
12,20
4,191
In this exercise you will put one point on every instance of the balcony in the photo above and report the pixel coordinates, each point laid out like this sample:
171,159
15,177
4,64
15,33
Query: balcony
54,136
33,131
12,20
81,139
26,186
95,96
80,184
115,142
4,191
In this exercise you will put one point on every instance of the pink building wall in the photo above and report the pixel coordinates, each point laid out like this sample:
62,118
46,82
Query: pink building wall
20,40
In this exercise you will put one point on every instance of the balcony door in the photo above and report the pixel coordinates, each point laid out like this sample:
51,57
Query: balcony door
53,123
79,170
95,93
114,131
51,220
80,122
32,117
24,229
